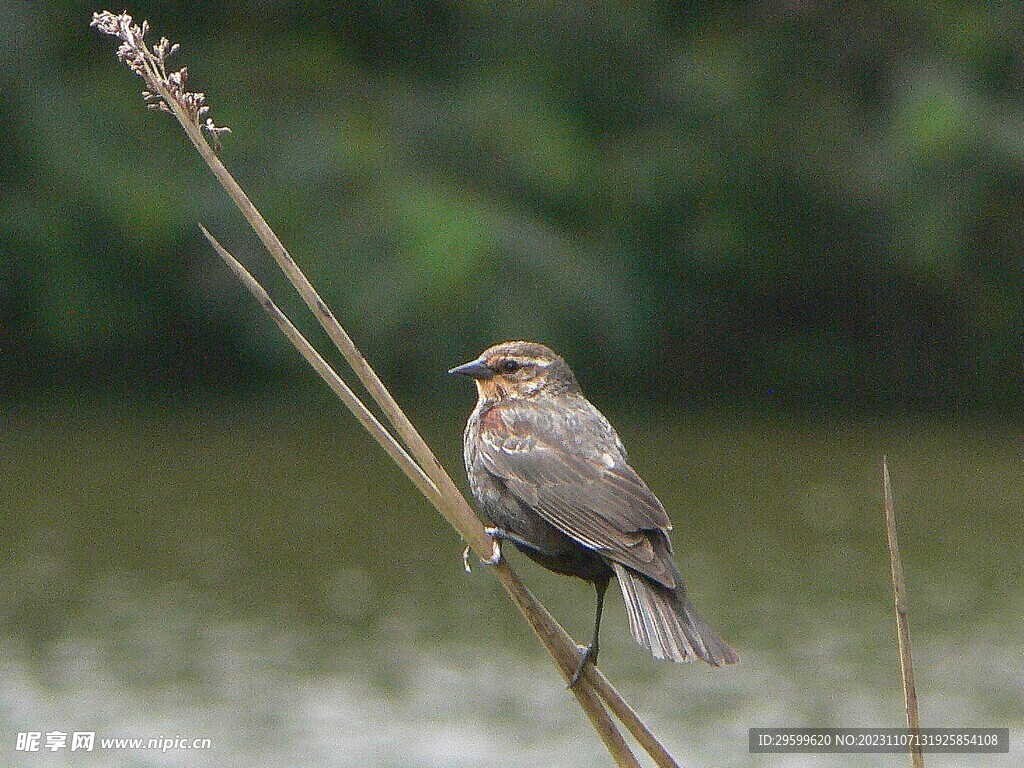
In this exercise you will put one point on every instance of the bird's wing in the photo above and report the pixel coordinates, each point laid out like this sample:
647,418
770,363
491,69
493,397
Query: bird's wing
569,466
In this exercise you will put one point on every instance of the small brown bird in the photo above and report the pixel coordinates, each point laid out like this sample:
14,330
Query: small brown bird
552,476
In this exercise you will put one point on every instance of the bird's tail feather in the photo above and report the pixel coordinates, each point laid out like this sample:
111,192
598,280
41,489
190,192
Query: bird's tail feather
664,622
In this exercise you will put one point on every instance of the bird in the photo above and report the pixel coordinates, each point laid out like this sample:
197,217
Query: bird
552,477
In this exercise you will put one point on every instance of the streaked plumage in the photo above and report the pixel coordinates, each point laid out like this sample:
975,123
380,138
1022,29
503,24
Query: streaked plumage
552,476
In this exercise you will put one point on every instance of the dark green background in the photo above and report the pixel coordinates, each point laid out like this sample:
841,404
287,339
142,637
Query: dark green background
768,206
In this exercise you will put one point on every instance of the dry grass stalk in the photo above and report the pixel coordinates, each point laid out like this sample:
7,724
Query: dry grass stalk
899,589
166,92
544,625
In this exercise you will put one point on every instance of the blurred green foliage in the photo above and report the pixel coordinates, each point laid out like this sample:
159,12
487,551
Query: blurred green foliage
768,205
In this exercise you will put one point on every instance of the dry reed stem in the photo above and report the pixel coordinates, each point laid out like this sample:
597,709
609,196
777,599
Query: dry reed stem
370,422
899,590
425,471
549,631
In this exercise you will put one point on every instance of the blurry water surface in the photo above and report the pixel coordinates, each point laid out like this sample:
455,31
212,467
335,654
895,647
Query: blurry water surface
273,584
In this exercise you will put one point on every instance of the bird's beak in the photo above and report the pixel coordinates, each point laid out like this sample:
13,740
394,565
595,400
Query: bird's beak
477,369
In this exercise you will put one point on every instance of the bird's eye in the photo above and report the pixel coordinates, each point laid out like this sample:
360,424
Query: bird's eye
510,366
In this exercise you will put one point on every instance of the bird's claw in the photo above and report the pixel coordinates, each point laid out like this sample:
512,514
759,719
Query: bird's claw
494,559
587,653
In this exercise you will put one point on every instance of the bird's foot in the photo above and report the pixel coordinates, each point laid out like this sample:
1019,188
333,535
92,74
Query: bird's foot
500,534
588,653
495,557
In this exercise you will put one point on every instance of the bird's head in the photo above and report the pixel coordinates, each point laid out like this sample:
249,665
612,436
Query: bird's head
519,369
